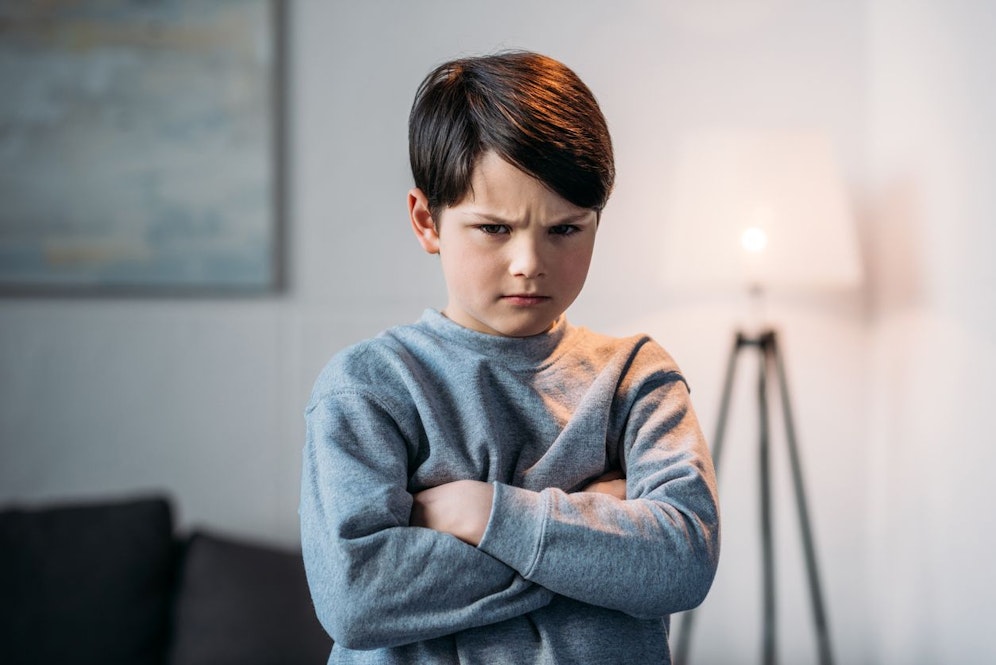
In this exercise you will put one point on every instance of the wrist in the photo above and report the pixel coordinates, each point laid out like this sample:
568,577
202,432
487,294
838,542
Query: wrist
479,500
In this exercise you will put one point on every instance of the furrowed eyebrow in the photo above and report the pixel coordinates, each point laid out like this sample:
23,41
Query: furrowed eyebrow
573,219
498,219
494,219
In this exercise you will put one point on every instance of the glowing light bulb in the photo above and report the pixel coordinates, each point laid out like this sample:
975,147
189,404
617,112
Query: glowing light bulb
754,239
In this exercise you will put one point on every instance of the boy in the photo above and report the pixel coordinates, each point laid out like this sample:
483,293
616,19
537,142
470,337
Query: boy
492,484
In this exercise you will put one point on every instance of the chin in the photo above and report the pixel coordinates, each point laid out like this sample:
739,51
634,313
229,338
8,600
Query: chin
526,330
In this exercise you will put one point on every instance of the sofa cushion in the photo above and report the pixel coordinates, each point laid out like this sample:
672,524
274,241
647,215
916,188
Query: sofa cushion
86,583
244,603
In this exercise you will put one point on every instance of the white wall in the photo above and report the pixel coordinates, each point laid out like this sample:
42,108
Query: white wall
204,398
932,169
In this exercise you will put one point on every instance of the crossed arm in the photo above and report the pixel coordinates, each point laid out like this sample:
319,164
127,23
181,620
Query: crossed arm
649,555
372,577
461,508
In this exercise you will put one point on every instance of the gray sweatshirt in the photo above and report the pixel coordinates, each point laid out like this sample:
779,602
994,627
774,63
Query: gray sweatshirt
560,576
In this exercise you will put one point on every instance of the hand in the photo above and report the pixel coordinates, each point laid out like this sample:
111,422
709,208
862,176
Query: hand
612,483
461,508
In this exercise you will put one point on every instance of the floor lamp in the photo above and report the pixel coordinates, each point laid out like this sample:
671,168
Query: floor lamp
762,211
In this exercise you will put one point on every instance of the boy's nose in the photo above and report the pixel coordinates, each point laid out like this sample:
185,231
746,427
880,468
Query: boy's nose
526,260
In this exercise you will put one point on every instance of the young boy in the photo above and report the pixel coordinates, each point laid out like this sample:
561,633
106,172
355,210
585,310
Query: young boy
492,484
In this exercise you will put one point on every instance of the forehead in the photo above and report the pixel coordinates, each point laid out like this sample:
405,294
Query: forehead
502,189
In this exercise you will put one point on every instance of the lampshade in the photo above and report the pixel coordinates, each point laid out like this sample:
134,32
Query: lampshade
761,209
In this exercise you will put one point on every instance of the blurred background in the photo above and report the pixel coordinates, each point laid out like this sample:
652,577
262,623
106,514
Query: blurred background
202,396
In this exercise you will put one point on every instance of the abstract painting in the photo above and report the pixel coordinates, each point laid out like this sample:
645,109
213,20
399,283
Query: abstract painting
139,147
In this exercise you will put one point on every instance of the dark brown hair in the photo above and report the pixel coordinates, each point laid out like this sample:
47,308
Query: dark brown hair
532,110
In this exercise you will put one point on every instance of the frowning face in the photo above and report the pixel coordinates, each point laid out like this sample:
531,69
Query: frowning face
514,253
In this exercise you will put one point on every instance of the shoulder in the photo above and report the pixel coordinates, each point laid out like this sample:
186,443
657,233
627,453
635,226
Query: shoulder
640,367
380,367
640,354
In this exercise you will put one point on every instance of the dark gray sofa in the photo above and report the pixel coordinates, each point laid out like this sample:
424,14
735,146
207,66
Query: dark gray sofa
113,583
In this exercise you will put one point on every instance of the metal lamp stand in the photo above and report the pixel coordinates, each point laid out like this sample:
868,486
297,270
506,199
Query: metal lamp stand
771,367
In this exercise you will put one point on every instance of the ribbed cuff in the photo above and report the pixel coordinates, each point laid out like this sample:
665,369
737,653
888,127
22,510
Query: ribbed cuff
514,532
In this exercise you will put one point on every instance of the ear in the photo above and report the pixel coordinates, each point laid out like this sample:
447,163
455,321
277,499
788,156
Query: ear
422,223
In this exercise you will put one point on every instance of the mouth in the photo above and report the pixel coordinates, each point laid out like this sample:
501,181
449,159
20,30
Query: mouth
525,299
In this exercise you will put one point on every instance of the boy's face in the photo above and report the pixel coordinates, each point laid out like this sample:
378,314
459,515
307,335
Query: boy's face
514,254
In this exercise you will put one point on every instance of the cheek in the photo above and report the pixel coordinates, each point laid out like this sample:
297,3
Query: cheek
467,264
575,266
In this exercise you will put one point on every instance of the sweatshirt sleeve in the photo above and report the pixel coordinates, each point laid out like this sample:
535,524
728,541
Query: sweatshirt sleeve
375,581
655,553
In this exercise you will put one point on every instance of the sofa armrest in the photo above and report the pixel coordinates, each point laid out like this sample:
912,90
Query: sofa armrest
244,602
86,583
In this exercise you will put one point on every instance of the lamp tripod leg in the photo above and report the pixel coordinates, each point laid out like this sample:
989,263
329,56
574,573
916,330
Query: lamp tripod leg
769,625
680,656
771,366
816,596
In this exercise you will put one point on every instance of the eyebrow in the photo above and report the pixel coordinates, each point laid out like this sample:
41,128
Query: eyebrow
498,219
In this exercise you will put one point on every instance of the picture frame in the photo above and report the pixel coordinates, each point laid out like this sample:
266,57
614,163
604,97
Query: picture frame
141,147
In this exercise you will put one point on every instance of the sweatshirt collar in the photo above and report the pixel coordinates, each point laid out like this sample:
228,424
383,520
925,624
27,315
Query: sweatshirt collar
534,351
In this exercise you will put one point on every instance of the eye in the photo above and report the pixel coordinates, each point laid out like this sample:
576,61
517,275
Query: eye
493,229
564,229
